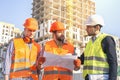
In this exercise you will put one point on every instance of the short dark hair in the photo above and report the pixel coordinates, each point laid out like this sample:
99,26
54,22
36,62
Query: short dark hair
98,25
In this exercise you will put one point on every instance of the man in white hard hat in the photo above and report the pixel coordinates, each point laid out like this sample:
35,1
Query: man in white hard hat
99,58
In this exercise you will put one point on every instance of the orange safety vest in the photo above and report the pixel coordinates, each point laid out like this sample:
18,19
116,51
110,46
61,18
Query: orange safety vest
24,60
54,72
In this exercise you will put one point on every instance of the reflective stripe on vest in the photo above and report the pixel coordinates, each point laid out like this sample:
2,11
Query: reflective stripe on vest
23,60
95,58
25,73
95,61
57,72
97,68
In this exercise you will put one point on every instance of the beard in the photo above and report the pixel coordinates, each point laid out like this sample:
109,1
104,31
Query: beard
91,33
61,38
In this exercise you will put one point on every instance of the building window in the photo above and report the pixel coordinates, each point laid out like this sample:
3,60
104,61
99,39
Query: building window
11,35
67,34
6,34
6,26
41,21
73,36
3,26
3,32
6,30
12,28
46,30
38,34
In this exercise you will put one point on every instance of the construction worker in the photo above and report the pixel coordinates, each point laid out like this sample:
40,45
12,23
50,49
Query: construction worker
22,54
99,57
58,46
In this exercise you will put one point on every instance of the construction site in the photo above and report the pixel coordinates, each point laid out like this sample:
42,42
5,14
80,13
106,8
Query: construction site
72,13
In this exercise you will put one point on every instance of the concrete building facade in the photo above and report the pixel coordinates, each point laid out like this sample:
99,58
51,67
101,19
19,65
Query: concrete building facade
72,13
7,32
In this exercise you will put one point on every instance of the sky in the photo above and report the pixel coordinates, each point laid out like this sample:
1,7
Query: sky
16,11
109,10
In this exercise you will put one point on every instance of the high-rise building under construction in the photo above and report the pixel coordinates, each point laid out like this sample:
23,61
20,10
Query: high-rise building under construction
72,13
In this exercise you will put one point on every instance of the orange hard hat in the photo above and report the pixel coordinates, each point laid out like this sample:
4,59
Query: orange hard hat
31,23
56,26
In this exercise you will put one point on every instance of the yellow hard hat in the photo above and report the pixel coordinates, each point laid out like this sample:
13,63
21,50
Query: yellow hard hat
56,26
31,23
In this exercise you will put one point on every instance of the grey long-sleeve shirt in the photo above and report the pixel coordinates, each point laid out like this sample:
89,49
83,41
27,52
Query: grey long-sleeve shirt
8,55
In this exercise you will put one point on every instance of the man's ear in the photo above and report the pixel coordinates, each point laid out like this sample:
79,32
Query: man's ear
98,27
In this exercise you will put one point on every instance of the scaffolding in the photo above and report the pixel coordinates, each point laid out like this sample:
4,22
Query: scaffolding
69,10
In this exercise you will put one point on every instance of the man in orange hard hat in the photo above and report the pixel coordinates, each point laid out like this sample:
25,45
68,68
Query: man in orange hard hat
58,46
22,54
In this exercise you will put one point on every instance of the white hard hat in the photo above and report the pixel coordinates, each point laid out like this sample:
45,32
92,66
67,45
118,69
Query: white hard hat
94,20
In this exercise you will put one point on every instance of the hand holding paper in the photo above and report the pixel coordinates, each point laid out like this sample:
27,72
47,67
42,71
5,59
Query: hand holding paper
41,60
77,64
